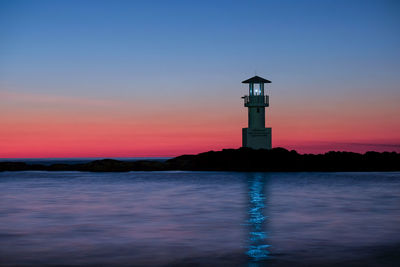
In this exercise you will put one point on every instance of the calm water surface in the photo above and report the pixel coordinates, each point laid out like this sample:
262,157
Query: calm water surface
199,218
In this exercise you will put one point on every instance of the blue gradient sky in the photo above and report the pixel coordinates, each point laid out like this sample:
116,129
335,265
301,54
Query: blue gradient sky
171,71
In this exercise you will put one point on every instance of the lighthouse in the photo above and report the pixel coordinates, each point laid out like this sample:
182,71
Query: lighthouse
256,136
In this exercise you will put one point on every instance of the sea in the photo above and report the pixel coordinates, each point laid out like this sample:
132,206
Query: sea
182,218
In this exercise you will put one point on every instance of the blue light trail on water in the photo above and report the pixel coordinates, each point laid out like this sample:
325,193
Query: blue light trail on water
257,249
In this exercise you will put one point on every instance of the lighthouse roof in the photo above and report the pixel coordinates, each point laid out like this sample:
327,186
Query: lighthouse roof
256,79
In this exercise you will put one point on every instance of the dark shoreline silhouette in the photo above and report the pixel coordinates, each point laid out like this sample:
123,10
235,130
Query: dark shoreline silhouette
242,160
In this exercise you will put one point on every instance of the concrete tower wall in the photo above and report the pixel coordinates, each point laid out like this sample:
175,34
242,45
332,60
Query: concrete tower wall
256,117
257,138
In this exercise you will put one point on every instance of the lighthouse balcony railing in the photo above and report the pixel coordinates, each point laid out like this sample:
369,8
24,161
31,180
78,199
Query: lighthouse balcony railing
256,100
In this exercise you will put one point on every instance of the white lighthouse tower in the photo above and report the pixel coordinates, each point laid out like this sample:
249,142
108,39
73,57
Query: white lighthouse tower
256,136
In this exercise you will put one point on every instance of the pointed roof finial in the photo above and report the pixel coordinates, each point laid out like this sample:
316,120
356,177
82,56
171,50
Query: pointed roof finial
256,79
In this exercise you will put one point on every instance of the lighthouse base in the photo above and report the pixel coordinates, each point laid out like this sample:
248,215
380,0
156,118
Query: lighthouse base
256,138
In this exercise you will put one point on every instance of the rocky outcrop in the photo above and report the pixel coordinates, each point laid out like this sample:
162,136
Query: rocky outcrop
243,159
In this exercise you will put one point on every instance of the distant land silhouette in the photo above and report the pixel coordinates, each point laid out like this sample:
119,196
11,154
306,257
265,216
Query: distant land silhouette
242,160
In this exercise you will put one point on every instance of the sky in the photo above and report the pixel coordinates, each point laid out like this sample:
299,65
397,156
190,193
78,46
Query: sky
163,78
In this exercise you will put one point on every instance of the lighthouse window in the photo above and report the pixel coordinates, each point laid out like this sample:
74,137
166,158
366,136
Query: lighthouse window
256,89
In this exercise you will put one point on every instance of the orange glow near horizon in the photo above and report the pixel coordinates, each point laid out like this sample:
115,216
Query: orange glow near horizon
50,127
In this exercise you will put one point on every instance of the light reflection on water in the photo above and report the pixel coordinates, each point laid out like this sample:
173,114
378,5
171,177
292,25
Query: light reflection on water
198,218
258,248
